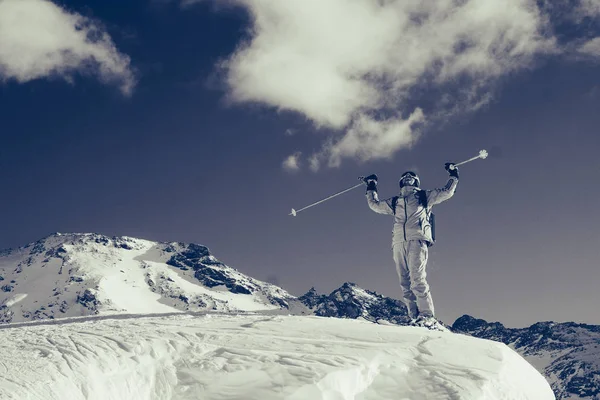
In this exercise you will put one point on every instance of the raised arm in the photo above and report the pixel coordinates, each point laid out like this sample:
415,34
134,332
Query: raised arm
436,196
379,206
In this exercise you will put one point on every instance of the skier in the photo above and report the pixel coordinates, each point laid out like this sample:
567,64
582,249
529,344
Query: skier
413,234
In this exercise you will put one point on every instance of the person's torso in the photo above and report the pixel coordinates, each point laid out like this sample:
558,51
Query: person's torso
411,218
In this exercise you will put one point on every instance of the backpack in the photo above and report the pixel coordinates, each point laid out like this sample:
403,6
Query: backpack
422,195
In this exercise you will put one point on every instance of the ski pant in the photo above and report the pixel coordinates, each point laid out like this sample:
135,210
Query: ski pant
411,259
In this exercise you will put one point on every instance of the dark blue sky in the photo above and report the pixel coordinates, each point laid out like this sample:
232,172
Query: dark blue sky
518,243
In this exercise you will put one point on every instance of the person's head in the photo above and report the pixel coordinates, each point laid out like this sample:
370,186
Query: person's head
409,178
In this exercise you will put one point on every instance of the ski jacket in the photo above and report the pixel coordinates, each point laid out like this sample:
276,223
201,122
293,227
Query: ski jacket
411,220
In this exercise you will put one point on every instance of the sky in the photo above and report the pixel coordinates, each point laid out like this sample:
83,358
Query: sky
256,357
207,121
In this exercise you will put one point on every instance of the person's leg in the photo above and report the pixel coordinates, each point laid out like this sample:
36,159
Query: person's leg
417,261
408,296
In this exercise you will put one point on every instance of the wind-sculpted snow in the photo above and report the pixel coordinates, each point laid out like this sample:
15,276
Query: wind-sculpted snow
255,357
568,354
87,274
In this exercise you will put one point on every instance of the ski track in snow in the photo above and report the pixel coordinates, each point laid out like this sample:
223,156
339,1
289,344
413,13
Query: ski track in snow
254,357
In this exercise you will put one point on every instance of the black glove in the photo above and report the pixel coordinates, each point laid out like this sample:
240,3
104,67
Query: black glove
452,172
371,182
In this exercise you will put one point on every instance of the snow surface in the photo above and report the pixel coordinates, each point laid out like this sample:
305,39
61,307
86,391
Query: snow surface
255,357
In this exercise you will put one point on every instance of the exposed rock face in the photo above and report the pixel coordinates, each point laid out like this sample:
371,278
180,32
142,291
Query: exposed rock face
351,301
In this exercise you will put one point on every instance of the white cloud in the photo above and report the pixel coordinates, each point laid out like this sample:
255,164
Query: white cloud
39,39
373,70
579,20
588,8
591,47
292,162
313,163
369,139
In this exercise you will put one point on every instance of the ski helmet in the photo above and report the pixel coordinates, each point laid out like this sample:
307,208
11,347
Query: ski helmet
409,173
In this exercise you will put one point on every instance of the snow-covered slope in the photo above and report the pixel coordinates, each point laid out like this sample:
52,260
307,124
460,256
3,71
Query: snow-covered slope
256,357
86,274
568,354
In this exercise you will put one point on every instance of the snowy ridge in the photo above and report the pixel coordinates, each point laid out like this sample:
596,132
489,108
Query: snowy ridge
568,354
87,274
76,276
259,357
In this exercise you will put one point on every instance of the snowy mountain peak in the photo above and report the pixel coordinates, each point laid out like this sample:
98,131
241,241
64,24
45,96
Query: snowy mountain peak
352,301
66,275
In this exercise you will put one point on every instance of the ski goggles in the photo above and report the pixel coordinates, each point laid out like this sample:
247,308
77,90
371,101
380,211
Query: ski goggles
409,174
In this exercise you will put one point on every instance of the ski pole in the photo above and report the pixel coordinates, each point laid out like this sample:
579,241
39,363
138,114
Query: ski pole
294,212
482,154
